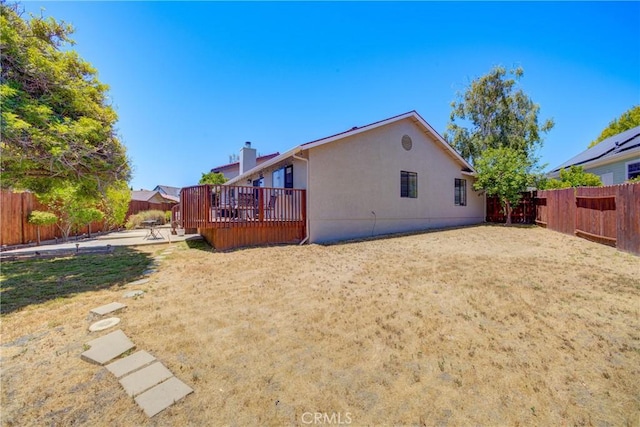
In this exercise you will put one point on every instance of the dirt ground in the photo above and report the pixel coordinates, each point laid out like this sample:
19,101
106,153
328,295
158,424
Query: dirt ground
476,326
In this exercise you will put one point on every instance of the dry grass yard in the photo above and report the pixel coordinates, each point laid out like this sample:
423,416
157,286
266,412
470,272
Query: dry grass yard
485,326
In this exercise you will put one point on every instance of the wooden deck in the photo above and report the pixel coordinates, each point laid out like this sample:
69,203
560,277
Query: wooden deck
237,216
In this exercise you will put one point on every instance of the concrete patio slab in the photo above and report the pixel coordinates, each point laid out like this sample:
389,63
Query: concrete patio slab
132,294
104,324
142,380
108,308
138,282
131,363
162,396
107,347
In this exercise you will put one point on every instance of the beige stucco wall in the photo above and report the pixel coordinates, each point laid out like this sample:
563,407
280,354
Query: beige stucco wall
354,186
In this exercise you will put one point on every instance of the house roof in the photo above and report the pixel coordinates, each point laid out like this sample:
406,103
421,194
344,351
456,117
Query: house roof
146,195
413,115
142,195
610,149
172,191
237,164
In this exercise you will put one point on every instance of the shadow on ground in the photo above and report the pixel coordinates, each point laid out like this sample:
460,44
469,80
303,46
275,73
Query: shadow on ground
199,243
34,281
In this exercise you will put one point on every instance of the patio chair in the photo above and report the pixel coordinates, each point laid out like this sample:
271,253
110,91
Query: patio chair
270,209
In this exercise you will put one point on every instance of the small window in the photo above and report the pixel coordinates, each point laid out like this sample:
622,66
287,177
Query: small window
288,176
460,192
409,184
633,170
283,177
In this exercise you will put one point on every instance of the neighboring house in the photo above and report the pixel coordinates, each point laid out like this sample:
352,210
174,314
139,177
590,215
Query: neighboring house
615,159
395,175
232,170
153,196
166,190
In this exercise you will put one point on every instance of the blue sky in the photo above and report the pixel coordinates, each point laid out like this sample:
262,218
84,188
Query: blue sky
192,81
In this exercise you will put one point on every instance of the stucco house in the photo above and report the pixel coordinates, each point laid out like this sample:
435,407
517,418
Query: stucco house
394,175
615,159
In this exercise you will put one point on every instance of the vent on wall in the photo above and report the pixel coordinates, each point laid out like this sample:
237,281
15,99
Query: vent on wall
406,142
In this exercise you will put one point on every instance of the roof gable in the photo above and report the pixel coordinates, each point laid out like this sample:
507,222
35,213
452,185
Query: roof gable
168,190
413,115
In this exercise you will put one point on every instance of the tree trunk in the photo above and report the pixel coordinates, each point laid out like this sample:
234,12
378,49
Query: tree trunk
38,236
507,206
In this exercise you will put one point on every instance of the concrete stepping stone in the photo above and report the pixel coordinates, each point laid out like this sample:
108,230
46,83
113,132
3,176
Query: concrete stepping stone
108,308
159,258
149,272
107,347
145,378
104,324
162,396
132,294
138,282
130,363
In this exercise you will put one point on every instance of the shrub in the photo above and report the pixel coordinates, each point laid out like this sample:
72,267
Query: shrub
135,221
167,217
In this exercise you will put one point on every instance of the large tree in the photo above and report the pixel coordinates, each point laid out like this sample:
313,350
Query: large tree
57,125
499,134
629,119
492,113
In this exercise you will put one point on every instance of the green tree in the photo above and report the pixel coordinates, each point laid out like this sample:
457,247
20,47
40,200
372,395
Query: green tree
39,219
628,120
56,122
68,202
85,216
575,176
503,172
495,113
212,178
115,204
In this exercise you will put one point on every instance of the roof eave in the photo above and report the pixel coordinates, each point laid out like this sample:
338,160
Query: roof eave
264,165
600,161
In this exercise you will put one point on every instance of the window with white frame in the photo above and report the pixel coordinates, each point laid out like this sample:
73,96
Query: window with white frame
633,170
460,192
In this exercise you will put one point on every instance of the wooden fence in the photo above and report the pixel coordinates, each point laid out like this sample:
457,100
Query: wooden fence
15,228
236,216
136,206
523,213
608,215
15,209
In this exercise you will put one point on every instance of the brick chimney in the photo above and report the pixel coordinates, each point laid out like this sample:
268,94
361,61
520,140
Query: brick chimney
247,158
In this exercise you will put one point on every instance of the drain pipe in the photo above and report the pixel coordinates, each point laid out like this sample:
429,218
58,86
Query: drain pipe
307,201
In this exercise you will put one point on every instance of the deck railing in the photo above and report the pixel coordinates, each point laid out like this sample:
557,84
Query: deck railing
225,206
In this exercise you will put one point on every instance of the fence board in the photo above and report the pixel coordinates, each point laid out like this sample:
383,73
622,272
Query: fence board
523,213
136,206
15,228
608,215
